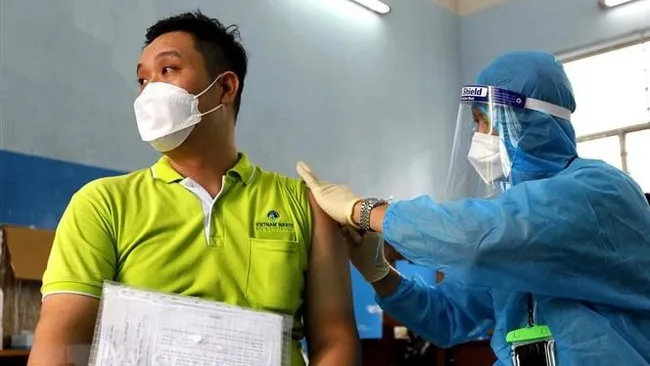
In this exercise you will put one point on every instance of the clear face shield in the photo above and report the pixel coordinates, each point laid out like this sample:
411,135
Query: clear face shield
487,136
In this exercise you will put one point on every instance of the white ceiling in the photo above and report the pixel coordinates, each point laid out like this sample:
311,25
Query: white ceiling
464,7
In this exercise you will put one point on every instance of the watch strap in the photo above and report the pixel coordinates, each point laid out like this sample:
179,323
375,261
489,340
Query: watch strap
367,205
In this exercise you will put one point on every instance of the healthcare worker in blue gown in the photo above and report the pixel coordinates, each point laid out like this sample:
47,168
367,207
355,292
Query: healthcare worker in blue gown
534,234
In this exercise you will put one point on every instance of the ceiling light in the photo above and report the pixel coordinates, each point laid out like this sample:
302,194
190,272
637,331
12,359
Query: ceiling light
375,5
612,3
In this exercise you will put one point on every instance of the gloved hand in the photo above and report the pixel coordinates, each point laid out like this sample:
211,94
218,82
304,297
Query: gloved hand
367,253
335,199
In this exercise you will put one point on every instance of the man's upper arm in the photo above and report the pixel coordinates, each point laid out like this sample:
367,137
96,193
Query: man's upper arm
65,330
82,257
330,313
83,254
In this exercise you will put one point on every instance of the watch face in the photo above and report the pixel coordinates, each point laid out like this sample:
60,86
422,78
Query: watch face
372,201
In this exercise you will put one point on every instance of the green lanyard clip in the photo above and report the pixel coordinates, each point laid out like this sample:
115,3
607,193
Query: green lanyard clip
529,334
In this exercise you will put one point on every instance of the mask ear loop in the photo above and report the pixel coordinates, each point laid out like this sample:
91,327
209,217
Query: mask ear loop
204,91
211,110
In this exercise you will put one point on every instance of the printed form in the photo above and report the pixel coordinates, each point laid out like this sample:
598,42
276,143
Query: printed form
141,328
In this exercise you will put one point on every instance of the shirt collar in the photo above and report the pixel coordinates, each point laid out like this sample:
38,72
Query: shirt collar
244,170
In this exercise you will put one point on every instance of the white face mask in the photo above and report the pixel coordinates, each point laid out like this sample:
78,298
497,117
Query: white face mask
166,114
489,157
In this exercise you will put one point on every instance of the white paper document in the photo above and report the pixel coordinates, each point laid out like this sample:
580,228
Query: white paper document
141,328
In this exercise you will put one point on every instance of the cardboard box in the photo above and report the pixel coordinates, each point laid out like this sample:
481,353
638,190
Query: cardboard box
23,257
28,250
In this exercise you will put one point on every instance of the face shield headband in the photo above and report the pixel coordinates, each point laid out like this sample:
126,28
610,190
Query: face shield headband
493,96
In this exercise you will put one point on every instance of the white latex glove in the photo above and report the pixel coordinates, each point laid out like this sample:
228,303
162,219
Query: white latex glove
336,200
367,253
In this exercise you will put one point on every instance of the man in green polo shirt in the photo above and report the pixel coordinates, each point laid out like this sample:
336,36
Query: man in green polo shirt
203,221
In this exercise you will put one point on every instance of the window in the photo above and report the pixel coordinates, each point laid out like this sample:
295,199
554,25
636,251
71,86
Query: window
612,121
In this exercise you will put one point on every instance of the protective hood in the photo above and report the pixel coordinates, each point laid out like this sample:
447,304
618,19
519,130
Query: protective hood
547,144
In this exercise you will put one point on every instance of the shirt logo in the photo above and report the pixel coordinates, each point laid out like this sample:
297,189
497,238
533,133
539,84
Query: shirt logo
273,215
274,223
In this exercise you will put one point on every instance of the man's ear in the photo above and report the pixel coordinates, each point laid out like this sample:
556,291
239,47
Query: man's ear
230,86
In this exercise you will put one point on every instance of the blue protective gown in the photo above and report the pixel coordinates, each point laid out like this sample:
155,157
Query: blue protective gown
572,232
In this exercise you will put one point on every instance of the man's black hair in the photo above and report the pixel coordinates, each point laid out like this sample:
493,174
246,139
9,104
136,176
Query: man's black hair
220,45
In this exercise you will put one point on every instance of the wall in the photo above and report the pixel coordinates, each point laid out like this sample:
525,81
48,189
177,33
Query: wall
34,190
365,99
551,25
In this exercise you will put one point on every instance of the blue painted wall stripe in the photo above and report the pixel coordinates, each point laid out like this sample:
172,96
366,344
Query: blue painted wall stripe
34,191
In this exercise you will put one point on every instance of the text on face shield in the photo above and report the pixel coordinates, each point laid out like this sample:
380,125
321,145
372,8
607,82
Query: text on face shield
474,91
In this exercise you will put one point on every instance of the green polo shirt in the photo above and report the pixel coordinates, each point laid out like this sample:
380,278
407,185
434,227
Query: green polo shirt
155,229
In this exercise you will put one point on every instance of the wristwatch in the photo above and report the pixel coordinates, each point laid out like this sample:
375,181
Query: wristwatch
367,205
